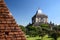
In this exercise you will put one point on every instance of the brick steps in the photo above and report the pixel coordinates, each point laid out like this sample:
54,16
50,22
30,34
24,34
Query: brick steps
9,30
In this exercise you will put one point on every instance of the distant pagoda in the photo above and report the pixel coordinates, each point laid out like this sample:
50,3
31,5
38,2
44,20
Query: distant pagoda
9,30
39,18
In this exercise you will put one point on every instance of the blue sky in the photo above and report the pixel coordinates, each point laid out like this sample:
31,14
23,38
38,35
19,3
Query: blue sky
24,10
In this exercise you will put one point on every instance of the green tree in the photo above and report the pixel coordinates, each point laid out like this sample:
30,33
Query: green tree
31,31
44,25
34,31
54,35
23,28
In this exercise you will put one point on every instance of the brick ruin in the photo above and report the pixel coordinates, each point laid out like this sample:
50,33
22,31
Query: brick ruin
9,30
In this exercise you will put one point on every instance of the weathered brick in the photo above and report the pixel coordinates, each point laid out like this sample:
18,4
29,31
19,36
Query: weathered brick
9,30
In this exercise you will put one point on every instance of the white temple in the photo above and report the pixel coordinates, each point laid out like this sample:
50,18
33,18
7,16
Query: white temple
39,18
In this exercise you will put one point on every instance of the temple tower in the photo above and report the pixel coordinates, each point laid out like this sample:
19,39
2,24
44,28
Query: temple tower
39,18
9,30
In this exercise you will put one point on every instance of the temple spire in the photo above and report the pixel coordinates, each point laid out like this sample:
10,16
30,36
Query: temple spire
39,11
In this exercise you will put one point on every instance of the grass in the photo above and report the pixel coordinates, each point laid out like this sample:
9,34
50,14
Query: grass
39,38
33,38
58,38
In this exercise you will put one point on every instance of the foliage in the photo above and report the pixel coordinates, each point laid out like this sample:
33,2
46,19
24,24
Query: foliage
39,38
54,35
23,28
32,31
37,31
44,25
41,31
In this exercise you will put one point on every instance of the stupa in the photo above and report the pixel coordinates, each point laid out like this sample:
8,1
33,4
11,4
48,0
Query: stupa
9,29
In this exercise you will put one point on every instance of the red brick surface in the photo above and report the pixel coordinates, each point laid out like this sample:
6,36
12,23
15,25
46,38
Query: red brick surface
9,30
